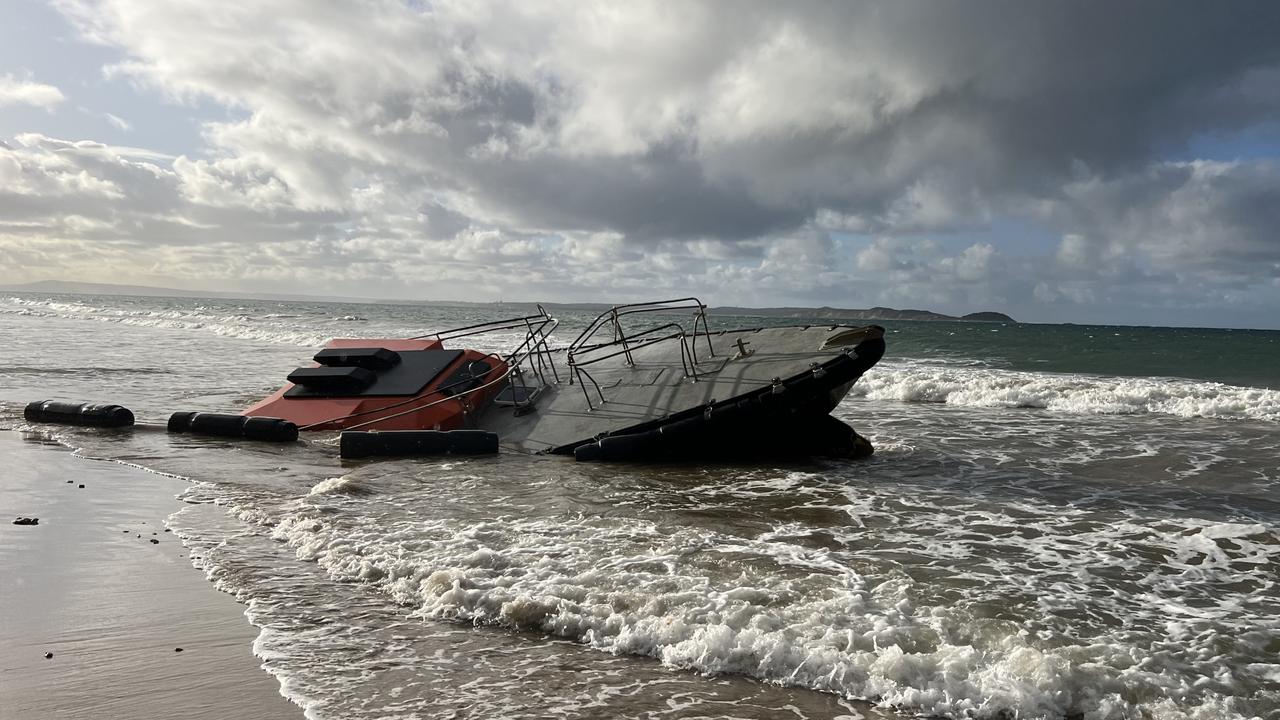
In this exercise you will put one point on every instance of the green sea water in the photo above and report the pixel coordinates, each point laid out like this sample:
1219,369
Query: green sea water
1236,357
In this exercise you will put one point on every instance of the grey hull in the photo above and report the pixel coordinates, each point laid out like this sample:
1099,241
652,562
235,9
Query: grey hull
793,373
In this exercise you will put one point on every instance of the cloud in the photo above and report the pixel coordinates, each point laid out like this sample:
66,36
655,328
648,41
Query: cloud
1177,234
15,91
1204,218
694,122
118,122
799,148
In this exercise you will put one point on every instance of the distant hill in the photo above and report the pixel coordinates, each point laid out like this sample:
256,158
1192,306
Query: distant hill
987,317
875,313
823,313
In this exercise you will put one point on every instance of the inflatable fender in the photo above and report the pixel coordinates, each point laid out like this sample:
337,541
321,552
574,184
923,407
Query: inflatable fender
85,414
355,444
233,426
472,442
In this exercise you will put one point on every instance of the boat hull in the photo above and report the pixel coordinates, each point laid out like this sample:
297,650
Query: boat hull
661,393
788,419
743,386
427,405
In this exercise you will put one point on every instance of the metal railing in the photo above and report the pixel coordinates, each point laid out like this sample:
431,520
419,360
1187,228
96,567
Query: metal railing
582,351
535,353
538,329
534,349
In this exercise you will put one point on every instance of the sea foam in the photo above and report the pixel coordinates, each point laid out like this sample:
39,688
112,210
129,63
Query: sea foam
270,328
794,614
198,318
1067,393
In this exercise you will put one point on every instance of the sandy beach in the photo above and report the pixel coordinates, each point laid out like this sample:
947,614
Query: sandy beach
101,585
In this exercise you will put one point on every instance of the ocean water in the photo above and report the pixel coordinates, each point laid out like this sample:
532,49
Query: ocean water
1059,522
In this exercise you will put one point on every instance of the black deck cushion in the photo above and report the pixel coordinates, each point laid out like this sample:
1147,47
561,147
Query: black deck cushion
416,369
372,358
333,378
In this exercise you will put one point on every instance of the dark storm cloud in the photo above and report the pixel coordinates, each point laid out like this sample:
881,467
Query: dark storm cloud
767,114
1218,217
661,195
700,143
999,100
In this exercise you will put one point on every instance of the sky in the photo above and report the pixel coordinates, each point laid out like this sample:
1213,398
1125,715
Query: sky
1063,161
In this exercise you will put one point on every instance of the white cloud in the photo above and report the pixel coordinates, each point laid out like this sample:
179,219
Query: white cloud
611,148
977,263
16,91
118,122
657,121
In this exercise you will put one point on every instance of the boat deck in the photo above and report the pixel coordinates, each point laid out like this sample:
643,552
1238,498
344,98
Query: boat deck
621,389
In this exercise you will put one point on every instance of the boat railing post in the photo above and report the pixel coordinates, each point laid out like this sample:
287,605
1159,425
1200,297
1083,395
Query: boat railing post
527,346
519,375
706,330
579,371
690,367
545,356
582,385
531,340
619,334
695,339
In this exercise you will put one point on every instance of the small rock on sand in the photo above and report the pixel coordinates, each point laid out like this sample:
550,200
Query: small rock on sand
48,656
155,541
81,486
177,649
26,521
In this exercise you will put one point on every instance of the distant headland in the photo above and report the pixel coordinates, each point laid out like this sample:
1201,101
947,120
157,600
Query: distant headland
875,313
823,313
819,313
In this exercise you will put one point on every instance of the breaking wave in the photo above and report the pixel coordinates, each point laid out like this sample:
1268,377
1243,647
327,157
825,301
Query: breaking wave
244,323
804,616
269,328
1067,393
341,484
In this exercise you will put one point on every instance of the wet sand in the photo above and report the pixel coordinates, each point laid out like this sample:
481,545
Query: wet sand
89,586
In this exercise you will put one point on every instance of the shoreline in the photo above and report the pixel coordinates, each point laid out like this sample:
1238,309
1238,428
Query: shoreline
104,586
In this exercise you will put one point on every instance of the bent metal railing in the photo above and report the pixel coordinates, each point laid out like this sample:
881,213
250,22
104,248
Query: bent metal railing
582,352
534,350
538,329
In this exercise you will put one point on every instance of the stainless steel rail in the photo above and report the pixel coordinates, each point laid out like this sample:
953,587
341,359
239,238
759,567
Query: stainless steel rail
534,349
538,329
582,351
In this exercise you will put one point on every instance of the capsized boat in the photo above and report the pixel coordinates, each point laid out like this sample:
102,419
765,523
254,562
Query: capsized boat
643,381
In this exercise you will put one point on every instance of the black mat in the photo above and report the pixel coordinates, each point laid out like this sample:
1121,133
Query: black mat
416,370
